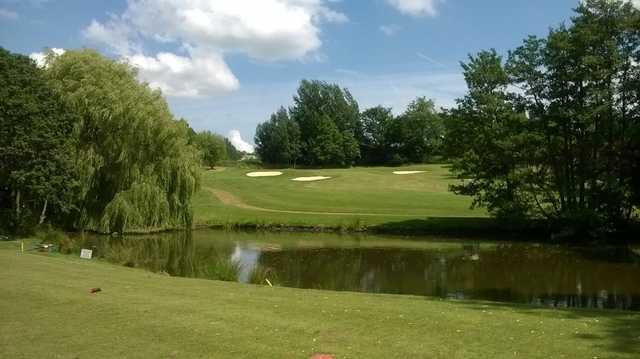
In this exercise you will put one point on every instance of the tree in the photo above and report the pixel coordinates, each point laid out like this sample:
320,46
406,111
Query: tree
420,132
565,146
36,169
327,117
212,147
374,135
137,169
278,140
232,152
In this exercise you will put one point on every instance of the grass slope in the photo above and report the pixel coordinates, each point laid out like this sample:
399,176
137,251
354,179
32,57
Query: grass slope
47,312
352,198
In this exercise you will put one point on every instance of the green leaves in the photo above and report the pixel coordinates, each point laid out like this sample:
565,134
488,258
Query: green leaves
36,145
562,145
137,167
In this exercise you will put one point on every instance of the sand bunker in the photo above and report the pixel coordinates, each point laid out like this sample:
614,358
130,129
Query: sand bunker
407,172
310,179
264,174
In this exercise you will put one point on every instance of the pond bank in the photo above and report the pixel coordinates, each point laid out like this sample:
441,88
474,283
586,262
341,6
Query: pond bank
190,318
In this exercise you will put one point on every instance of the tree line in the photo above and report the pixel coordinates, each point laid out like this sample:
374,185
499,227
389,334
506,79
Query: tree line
325,128
551,131
84,145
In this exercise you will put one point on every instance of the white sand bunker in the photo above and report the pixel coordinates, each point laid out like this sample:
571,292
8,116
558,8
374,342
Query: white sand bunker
407,172
264,174
310,179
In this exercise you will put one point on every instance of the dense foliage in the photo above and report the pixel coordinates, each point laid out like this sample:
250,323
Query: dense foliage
326,128
554,130
278,140
36,146
212,147
136,170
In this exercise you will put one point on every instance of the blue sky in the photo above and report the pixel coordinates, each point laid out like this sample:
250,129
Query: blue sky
225,65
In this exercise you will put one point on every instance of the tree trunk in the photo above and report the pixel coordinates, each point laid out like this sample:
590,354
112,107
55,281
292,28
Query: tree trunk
18,204
43,215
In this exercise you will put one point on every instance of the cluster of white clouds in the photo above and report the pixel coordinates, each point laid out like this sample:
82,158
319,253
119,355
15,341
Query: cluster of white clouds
236,140
417,8
205,31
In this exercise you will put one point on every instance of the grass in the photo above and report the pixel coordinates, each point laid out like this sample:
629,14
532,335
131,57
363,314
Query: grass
48,312
353,199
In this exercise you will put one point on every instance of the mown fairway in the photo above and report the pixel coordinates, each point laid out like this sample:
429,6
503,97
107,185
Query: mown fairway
364,196
48,312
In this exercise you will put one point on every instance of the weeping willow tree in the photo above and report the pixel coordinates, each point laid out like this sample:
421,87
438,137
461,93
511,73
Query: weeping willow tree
137,170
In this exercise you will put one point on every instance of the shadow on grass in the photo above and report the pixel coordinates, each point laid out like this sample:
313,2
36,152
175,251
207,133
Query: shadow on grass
621,329
467,226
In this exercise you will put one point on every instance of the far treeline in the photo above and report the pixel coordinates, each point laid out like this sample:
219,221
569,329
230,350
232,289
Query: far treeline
325,128
551,131
84,145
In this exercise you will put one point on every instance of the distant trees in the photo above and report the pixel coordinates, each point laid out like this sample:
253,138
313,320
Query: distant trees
278,140
233,153
212,147
36,146
419,132
326,128
565,145
327,117
374,136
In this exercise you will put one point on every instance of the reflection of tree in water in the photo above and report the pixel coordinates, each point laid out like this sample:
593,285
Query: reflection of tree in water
542,275
174,254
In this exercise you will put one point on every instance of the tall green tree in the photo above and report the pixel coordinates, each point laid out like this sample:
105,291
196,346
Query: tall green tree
563,147
420,131
36,146
138,171
374,135
327,116
212,147
278,140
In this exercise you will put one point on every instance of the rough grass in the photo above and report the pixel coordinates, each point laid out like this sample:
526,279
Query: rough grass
48,312
359,198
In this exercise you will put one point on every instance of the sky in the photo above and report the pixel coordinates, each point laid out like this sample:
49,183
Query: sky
226,65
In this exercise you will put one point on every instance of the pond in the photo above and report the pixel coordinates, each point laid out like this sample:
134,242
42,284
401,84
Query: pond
538,274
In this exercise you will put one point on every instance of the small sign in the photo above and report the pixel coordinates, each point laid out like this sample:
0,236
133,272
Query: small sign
86,253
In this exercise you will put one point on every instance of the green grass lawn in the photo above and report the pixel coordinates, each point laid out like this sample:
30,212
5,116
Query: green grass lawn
355,197
46,311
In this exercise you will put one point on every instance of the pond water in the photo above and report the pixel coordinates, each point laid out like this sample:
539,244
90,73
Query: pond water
544,275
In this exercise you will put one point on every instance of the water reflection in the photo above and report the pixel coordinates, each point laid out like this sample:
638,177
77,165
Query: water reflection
553,276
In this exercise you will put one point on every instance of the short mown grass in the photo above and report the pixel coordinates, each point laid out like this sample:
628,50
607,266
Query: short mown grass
365,197
46,311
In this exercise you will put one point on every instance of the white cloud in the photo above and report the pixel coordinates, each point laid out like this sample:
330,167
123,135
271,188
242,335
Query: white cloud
236,140
182,76
389,30
115,34
41,57
417,8
8,14
208,29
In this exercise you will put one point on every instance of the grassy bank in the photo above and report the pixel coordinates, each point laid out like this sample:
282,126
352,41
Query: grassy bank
355,199
47,311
